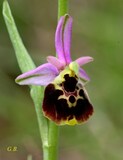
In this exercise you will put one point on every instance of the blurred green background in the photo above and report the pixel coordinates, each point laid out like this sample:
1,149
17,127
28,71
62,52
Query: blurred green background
97,32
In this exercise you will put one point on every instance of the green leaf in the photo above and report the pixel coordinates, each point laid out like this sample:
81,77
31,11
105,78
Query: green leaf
25,63
24,60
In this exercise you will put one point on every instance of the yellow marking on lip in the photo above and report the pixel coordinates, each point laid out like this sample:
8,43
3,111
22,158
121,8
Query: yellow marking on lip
70,70
71,122
68,102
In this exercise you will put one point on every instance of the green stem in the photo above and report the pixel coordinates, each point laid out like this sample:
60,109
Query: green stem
62,7
50,151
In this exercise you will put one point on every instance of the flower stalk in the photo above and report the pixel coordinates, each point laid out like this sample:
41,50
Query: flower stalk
62,7
53,128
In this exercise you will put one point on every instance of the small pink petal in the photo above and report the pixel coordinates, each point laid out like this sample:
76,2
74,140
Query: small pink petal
56,62
41,75
83,75
83,60
63,38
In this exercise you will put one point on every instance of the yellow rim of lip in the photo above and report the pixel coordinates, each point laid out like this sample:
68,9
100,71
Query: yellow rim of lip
71,122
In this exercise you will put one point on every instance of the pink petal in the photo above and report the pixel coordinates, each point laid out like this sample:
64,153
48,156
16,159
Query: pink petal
42,75
83,75
56,62
63,38
42,80
83,60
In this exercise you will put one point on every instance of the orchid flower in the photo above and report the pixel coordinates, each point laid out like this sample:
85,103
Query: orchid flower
65,98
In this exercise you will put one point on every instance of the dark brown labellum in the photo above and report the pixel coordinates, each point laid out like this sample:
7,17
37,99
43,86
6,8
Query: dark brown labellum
67,102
